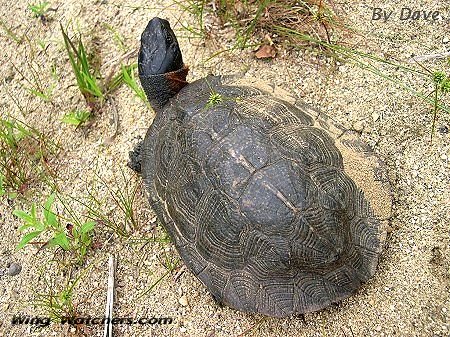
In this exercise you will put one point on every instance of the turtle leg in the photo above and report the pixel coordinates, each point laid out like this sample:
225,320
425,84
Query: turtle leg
135,158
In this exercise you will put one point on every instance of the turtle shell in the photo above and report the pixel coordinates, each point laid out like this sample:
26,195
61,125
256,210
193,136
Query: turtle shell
256,194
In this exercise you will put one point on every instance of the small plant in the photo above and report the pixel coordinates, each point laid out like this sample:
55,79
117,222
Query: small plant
24,155
214,99
39,9
58,302
441,88
442,81
123,198
259,18
77,117
130,80
57,305
73,237
87,82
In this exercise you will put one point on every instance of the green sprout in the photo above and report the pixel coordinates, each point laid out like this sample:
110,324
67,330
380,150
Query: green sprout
40,9
76,117
214,99
76,238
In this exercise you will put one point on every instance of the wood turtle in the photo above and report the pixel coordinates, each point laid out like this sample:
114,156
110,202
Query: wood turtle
272,205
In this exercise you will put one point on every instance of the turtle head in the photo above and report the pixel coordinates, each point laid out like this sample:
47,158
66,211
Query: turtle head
160,63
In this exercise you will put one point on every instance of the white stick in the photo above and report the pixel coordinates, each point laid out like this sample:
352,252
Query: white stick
109,298
428,57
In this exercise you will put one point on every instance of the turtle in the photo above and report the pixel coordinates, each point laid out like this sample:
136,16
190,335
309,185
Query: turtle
272,205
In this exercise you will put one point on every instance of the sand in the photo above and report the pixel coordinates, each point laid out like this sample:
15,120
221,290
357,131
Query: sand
409,294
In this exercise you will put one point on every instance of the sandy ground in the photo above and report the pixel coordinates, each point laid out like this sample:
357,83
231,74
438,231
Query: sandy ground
408,296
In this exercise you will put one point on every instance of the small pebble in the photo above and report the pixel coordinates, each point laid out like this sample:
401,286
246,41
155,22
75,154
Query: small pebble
375,116
14,269
183,329
443,129
183,301
342,69
358,126
445,39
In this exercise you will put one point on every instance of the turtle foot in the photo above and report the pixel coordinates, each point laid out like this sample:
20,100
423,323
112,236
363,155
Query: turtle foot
135,158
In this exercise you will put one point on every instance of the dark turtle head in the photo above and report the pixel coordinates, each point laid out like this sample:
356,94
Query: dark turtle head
161,69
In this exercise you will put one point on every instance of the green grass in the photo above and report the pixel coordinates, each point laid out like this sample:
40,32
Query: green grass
58,299
90,87
128,76
57,304
94,88
113,204
39,9
24,156
253,20
70,234
77,117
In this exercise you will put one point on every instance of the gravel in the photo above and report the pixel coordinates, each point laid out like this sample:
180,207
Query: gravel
14,269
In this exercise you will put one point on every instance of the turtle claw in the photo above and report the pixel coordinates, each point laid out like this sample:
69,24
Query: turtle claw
135,158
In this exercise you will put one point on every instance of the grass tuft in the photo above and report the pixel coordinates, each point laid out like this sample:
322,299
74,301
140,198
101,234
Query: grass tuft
58,299
214,99
89,85
24,156
39,9
129,79
257,19
115,208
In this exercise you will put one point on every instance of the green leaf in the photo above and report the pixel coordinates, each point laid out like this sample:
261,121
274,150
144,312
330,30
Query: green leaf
28,225
87,227
33,212
27,238
76,117
23,215
60,240
49,216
